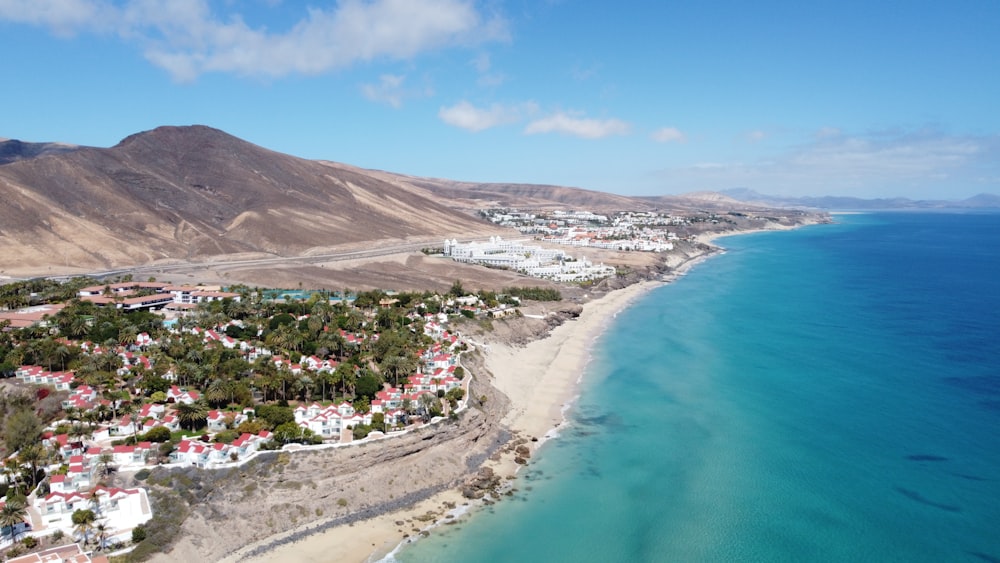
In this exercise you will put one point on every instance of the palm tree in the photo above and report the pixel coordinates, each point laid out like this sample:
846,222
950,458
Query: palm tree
91,417
31,455
326,377
307,386
62,353
84,523
397,364
78,430
344,375
106,470
426,401
218,393
12,513
104,412
78,327
192,415
102,529
130,408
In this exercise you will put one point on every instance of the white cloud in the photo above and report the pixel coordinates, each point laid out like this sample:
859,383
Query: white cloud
187,38
577,126
467,116
64,17
917,164
669,135
755,136
389,90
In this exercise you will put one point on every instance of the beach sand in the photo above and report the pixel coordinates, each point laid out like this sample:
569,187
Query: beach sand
541,380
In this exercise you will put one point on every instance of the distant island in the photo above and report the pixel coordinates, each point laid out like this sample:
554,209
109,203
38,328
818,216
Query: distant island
828,203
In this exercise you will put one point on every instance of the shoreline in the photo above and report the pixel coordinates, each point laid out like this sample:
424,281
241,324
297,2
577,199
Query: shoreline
542,380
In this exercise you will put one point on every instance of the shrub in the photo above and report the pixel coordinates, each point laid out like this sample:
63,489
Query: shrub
251,427
226,436
138,533
141,475
158,434
360,431
275,415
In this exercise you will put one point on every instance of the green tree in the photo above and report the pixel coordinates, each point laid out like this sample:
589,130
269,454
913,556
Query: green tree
378,421
367,386
275,415
23,428
158,434
289,432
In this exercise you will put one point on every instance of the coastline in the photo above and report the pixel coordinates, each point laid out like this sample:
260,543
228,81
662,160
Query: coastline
541,379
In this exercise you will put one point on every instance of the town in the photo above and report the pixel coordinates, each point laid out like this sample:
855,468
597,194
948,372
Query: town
108,380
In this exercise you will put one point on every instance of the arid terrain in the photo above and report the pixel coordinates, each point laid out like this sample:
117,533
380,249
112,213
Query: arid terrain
196,205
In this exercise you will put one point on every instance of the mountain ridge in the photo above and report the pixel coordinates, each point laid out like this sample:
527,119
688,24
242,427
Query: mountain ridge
745,195
193,192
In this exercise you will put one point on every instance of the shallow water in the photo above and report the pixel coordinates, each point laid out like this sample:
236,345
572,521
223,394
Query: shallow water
826,394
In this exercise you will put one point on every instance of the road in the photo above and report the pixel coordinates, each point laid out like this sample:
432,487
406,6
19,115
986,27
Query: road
380,250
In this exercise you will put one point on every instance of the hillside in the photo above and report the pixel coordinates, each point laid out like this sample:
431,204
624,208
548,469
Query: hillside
188,193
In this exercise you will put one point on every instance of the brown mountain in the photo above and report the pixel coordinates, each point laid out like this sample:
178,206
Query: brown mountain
192,192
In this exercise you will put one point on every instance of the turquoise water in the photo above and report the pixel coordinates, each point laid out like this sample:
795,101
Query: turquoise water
827,394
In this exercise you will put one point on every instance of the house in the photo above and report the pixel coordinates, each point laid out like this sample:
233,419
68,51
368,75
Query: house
220,420
120,509
82,398
151,410
126,426
132,455
176,395
192,452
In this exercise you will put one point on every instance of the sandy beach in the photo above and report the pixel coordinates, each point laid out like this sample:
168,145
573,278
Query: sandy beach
541,380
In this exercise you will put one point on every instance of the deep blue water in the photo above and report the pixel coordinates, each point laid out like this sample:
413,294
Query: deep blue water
826,394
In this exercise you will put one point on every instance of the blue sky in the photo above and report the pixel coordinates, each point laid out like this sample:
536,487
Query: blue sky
870,99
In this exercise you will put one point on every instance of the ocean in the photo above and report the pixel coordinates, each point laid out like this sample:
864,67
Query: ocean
825,394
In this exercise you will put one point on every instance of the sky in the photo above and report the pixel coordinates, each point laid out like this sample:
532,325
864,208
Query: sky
854,98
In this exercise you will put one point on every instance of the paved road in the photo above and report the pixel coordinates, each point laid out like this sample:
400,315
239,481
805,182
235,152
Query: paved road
378,250
311,259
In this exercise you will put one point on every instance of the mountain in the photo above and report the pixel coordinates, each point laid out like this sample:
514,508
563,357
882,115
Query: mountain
12,150
981,201
189,193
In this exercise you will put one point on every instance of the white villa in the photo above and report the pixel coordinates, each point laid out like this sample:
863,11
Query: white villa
534,261
120,510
